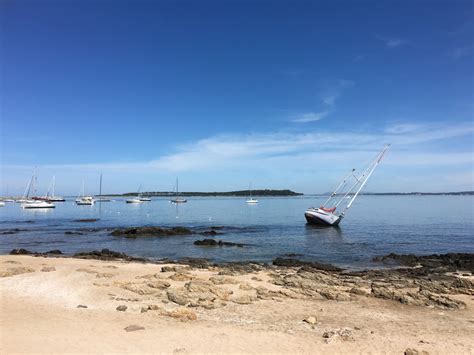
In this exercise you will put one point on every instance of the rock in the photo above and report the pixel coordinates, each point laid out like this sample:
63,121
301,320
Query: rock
181,276
178,297
450,261
344,334
170,268
245,286
222,280
159,284
81,306
106,254
27,252
198,263
86,220
299,263
244,299
12,262
183,314
292,255
121,308
18,270
310,320
141,289
210,232
133,328
73,233
48,269
150,232
105,275
215,243
411,351
359,291
152,307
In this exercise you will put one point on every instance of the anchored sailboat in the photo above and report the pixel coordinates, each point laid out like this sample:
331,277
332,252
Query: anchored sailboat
28,203
326,214
178,199
135,199
83,200
100,198
251,200
50,196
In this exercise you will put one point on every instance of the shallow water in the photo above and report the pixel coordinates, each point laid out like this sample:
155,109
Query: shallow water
375,225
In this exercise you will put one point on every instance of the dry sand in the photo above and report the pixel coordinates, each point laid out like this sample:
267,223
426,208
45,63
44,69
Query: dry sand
40,314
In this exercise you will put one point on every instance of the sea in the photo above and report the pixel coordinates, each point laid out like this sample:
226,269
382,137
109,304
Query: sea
275,227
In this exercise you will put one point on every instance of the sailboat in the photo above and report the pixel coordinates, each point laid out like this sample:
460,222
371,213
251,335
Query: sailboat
326,214
83,200
135,199
251,200
50,196
28,203
178,199
100,198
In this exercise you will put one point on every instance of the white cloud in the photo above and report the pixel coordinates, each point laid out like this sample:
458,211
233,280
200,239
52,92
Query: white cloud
291,155
310,117
392,42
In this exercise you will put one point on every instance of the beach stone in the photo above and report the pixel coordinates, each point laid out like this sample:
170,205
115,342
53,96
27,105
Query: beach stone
359,291
151,307
48,269
81,306
11,262
133,328
244,299
245,286
18,270
121,308
171,268
105,275
310,320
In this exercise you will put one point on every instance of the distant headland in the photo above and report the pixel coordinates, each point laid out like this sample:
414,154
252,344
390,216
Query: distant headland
266,192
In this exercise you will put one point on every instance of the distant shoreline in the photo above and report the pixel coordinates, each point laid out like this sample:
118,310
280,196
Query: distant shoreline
279,193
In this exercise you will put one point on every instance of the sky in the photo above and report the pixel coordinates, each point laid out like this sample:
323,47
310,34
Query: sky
282,94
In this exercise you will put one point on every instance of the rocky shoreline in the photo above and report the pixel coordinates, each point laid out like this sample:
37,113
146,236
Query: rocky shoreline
427,281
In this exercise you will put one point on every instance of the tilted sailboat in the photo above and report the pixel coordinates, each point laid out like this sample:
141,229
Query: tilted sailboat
178,199
326,214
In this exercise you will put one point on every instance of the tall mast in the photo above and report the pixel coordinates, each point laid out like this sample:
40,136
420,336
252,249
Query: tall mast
177,187
369,172
54,183
100,185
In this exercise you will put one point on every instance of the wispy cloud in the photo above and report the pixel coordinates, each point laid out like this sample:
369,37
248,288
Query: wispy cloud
392,42
310,117
328,98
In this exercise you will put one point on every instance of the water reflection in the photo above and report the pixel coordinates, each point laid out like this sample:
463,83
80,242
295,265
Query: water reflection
328,234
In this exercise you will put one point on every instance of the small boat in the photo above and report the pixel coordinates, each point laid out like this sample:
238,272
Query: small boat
37,204
136,199
251,200
9,200
2,203
145,199
84,200
326,214
178,199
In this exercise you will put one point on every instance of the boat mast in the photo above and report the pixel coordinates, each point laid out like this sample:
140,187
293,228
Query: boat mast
100,185
369,172
54,183
338,187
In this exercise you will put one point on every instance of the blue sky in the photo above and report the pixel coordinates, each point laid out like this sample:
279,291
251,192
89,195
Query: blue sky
286,94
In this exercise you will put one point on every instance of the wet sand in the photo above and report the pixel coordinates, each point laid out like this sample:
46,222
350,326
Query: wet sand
59,305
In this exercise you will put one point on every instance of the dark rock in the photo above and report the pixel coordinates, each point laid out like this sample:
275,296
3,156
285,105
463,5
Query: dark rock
308,264
215,243
12,231
150,232
106,254
292,255
55,252
198,263
21,251
211,232
73,233
81,306
121,308
87,220
27,252
450,261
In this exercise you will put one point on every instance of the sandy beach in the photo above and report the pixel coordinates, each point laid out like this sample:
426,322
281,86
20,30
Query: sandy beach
69,305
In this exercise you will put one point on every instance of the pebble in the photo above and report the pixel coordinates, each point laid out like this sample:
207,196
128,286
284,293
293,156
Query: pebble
81,306
133,328
121,308
310,320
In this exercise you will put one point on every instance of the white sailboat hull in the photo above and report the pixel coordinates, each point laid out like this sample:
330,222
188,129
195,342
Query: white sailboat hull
252,201
134,200
317,216
37,204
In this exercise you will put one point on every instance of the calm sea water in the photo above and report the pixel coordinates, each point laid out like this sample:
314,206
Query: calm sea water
375,225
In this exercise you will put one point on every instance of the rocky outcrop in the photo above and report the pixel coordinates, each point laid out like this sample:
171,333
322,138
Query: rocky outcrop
446,262
106,254
136,232
217,243
309,264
